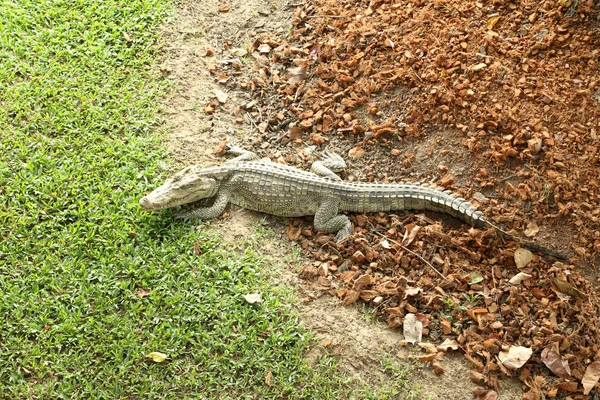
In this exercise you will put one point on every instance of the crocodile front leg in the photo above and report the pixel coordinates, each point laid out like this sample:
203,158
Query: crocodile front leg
328,220
221,199
242,155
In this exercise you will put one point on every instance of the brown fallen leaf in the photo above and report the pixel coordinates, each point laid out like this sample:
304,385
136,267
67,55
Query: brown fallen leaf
428,347
356,152
222,78
591,377
268,377
522,257
410,233
478,67
487,395
351,297
426,357
224,8
438,369
448,344
532,229
413,329
143,293
446,326
552,359
295,75
515,357
221,148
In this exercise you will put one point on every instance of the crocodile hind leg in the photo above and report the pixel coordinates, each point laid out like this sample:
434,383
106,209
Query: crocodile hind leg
330,164
328,220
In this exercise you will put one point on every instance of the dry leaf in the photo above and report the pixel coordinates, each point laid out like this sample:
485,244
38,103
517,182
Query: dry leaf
487,395
356,152
143,293
448,344
412,291
532,229
410,233
221,96
264,48
295,75
427,357
413,329
268,377
566,288
591,376
446,326
522,257
351,297
126,36
516,357
157,357
222,78
492,21
551,357
438,369
238,52
253,298
224,7
476,277
478,67
428,347
221,149
519,278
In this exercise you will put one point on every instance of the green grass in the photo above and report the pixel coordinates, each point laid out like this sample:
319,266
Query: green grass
78,147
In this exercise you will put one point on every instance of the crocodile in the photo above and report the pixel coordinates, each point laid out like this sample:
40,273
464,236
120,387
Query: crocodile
281,190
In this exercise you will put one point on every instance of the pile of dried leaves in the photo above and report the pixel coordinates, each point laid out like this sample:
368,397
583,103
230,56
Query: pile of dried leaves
518,79
518,83
510,311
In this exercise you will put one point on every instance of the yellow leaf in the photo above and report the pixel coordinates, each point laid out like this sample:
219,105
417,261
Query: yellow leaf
157,357
492,21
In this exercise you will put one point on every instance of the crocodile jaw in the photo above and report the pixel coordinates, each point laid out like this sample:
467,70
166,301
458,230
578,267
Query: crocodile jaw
175,192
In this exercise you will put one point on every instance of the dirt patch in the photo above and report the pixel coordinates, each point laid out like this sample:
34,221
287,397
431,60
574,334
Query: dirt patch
375,77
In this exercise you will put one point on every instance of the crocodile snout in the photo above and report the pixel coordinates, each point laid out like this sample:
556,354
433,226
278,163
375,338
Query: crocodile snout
146,203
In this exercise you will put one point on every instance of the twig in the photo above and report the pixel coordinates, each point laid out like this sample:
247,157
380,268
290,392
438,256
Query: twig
327,16
413,253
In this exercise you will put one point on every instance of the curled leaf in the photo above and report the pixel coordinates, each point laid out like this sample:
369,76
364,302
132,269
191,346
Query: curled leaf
519,278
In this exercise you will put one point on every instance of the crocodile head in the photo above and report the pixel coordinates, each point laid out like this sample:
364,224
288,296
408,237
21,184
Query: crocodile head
187,186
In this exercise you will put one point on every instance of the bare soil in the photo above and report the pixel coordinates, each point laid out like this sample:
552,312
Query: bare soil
501,112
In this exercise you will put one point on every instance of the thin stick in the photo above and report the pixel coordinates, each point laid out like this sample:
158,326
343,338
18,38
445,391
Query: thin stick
413,253
327,16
